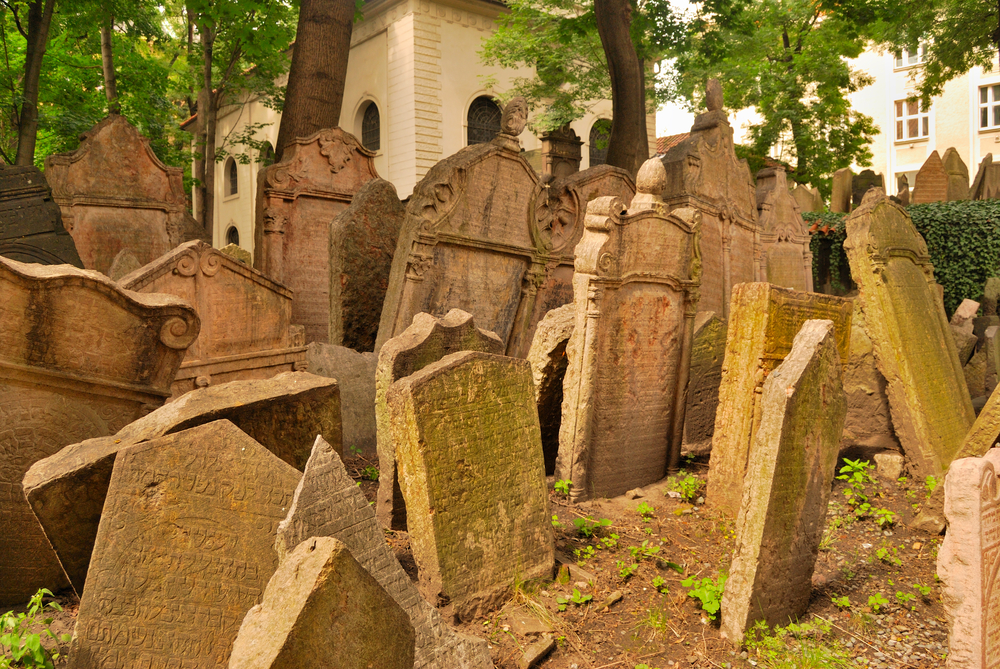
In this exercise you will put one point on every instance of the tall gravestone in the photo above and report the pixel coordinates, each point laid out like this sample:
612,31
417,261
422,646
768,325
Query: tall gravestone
355,375
548,361
807,198
31,226
79,358
297,199
704,174
635,297
785,256
840,198
708,350
862,183
905,319
869,418
246,330
561,152
986,185
931,182
958,175
116,195
184,549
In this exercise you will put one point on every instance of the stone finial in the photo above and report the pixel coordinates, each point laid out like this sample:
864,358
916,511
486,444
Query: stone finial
713,95
515,116
652,177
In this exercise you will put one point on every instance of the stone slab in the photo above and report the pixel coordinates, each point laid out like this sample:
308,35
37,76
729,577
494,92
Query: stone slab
843,181
807,198
931,182
958,175
239,253
708,349
355,374
784,237
869,418
548,361
31,226
861,183
985,181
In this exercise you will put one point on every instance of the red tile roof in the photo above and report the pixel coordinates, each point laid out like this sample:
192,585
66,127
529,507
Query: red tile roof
664,144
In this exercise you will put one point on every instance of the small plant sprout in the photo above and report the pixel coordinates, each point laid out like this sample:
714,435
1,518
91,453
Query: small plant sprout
708,591
626,570
686,485
643,551
584,554
355,450
924,590
585,527
930,483
555,520
370,473
609,542
20,641
562,487
885,518
576,598
841,602
877,601
889,556
660,584
905,598
646,511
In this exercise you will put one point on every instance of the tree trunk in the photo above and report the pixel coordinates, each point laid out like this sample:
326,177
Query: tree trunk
39,19
628,147
205,168
315,89
108,66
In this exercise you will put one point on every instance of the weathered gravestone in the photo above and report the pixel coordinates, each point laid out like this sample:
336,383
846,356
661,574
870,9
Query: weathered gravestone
763,325
708,349
792,464
636,295
238,252
31,226
986,185
703,173
427,340
246,330
969,561
931,182
67,490
322,609
905,320
362,242
861,183
470,462
548,361
807,198
116,194
297,199
964,315
124,264
184,549
561,152
79,358
869,419
903,190
785,256
328,503
958,175
355,375
840,199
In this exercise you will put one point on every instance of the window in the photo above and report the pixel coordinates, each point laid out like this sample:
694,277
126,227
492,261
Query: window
484,120
906,58
600,134
232,178
233,235
266,156
989,106
911,120
371,128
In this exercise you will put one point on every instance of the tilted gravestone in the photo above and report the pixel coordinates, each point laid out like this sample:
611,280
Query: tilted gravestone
67,491
297,199
636,295
355,375
862,183
840,198
471,417
869,419
807,198
31,226
246,330
958,175
548,361
763,325
903,190
986,185
185,548
931,182
427,340
708,349
328,503
905,319
792,464
79,358
785,256
115,194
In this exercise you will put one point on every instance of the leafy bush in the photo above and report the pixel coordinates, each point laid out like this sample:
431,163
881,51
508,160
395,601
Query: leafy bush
21,646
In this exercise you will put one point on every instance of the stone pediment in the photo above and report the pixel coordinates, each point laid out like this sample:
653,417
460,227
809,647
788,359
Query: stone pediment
329,161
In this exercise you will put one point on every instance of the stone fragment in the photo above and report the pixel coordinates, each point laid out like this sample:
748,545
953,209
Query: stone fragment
636,295
471,416
931,182
992,348
985,431
79,358
427,340
807,198
861,183
355,374
67,490
958,175
536,652
763,326
31,225
968,561
362,242
964,313
561,152
116,194
869,419
786,259
322,609
905,320
843,181
246,330
792,464
184,549
239,253
708,348
965,343
328,503
889,465
548,361
297,198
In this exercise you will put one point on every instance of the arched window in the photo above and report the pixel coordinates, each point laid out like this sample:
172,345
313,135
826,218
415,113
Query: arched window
232,178
484,120
266,156
371,128
233,235
600,133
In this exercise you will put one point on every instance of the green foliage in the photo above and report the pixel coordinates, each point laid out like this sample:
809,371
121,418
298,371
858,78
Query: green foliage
708,591
555,521
857,474
645,511
930,484
905,598
370,473
576,598
584,554
885,518
609,542
841,602
626,570
562,487
645,551
798,646
925,591
660,584
21,645
877,601
586,527
889,555
686,484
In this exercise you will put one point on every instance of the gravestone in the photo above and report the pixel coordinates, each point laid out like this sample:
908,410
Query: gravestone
784,237
184,549
974,373
968,561
708,349
328,503
843,182
986,185
246,330
861,183
703,173
355,374
362,242
31,226
636,295
931,182
79,358
124,264
561,152
322,609
964,315
427,340
788,485
903,190
238,252
471,417
991,295
807,198
905,320
548,361
67,491
958,175
297,199
869,419
762,328
116,194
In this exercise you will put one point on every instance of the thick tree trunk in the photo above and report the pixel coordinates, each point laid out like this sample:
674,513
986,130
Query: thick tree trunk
205,168
315,89
39,19
628,147
108,66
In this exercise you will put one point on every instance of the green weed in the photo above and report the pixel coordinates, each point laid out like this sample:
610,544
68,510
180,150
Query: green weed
798,646
23,648
577,598
586,527
877,601
562,487
708,591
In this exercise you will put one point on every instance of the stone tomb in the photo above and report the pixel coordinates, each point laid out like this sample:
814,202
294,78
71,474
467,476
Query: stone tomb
246,330
470,467
792,463
548,361
115,195
79,358
297,199
785,260
969,561
914,348
31,226
931,182
636,295
427,340
762,328
184,550
958,175
869,419
708,349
